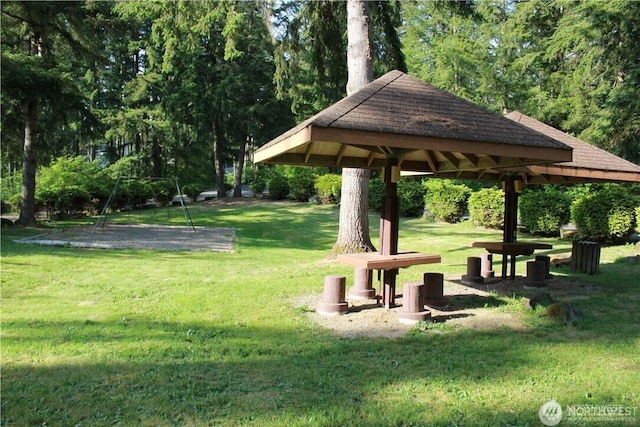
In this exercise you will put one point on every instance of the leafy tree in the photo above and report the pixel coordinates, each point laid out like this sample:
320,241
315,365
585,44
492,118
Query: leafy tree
43,44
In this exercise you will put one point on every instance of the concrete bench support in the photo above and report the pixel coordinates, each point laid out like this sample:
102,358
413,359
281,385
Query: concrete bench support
362,287
473,276
333,301
486,265
413,309
536,274
547,264
434,290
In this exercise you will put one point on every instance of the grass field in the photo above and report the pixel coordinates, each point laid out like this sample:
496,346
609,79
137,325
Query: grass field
124,337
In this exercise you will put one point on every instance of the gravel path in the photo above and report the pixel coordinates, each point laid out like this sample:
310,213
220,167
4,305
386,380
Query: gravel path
141,236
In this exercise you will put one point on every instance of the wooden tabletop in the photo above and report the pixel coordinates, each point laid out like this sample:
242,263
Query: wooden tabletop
518,248
377,261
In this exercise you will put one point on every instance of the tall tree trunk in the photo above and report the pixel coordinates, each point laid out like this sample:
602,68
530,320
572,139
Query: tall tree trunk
156,158
237,178
353,230
218,159
29,165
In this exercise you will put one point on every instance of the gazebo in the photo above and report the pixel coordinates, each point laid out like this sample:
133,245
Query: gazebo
398,123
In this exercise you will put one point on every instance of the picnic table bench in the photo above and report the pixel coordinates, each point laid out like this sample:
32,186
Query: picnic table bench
380,262
510,249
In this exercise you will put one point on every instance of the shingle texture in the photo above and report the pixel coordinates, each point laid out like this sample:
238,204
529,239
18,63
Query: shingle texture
585,155
399,104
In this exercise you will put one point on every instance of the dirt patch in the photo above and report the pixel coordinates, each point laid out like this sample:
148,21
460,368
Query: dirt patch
141,236
469,307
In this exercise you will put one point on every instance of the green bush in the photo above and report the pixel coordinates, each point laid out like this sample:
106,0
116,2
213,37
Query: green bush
130,166
71,185
133,193
411,194
63,200
302,183
278,186
487,208
164,190
376,193
606,215
258,181
446,200
193,190
638,216
328,188
545,211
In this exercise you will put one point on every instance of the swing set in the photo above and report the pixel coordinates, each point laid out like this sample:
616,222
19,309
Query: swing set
102,219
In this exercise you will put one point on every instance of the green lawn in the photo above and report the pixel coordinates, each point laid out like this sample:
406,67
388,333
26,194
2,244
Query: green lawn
111,337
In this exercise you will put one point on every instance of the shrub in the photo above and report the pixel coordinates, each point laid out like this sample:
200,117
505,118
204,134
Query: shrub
411,194
278,186
69,184
376,193
544,212
302,183
133,193
63,200
258,181
130,166
606,215
446,200
193,190
164,190
328,188
487,208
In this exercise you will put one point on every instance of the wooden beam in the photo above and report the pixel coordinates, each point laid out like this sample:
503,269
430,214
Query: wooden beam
472,158
340,154
451,158
415,142
308,151
433,164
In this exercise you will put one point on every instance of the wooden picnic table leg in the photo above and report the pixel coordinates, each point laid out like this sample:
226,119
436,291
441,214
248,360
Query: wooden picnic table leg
389,293
504,266
513,267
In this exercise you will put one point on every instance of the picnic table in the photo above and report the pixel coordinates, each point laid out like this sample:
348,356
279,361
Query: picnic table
387,263
512,250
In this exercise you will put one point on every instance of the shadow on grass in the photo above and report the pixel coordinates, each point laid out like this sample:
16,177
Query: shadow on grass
174,374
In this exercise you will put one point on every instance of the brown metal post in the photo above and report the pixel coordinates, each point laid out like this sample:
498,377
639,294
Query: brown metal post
389,223
510,222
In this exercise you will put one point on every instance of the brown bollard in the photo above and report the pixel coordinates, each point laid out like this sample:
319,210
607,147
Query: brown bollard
362,288
547,263
536,275
473,276
434,290
486,265
412,304
333,301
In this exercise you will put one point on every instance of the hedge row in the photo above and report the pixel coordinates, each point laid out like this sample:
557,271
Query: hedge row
609,213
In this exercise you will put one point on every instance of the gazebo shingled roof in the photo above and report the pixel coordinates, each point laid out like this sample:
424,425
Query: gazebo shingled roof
589,164
424,128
